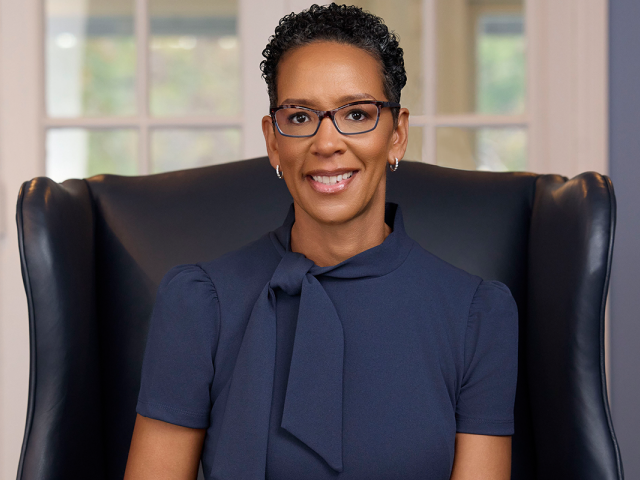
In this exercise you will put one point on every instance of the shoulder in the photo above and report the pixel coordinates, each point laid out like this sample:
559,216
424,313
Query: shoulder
186,280
186,294
493,299
452,284
493,291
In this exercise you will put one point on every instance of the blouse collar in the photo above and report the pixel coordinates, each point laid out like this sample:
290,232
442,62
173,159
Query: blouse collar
374,262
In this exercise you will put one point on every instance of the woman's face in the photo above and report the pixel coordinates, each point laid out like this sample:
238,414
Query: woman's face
324,76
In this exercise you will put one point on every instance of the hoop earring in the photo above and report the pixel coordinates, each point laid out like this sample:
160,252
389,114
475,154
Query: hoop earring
279,172
393,169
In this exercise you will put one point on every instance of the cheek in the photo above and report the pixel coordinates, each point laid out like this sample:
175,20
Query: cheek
291,153
376,144
372,151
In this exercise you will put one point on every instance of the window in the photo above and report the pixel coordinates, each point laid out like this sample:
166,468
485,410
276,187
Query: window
136,87
146,86
466,70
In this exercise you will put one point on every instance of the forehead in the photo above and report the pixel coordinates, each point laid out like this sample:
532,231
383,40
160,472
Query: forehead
326,72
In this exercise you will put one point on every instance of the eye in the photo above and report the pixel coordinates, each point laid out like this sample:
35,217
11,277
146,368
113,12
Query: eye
357,115
298,117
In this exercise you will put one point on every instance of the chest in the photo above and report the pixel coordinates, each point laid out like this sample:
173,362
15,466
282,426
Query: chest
400,381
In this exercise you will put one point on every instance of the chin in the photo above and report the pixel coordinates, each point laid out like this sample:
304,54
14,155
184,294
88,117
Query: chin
334,212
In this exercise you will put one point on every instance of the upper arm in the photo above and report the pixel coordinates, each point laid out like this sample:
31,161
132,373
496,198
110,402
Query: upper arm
174,403
488,385
484,409
178,366
482,457
161,450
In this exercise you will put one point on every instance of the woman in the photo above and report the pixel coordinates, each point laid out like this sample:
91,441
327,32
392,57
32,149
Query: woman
335,346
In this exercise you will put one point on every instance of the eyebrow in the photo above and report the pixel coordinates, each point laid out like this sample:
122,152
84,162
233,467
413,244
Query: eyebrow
342,100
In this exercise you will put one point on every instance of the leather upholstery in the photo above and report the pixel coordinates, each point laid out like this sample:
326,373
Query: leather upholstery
93,252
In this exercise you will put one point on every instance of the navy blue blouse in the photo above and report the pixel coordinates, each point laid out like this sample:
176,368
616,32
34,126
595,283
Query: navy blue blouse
362,370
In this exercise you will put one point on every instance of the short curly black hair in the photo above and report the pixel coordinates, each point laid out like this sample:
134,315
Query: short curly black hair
342,24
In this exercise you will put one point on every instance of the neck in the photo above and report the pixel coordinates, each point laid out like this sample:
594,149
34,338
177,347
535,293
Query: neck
330,244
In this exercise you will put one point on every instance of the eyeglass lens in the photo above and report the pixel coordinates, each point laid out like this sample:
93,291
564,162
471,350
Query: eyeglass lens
351,119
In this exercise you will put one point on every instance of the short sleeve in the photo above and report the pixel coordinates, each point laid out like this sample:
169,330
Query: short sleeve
177,370
487,393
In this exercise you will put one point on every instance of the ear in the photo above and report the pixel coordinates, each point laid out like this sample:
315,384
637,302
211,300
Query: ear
268,130
400,137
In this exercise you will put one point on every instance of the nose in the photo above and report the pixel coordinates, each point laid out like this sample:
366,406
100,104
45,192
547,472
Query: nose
327,140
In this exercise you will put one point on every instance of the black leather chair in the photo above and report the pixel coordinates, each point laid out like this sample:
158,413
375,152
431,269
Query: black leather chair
93,252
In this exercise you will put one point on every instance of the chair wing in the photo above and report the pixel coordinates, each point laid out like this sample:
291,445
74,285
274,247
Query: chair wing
571,243
63,436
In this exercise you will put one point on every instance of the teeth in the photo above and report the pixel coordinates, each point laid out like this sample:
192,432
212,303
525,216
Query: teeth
333,179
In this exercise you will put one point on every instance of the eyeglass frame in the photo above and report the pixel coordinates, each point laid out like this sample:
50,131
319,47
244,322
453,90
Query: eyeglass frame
322,114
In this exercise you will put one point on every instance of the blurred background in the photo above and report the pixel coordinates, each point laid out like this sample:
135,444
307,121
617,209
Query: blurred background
467,85
137,87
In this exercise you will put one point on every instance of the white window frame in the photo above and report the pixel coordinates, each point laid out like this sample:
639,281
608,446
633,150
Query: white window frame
566,120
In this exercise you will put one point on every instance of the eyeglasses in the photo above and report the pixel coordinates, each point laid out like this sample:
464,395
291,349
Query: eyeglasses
350,119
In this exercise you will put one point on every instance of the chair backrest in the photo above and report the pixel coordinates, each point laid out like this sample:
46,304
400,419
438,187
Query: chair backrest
93,252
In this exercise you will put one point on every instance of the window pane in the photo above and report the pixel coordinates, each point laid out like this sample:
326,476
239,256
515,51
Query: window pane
176,149
90,58
80,153
491,149
195,58
481,56
405,18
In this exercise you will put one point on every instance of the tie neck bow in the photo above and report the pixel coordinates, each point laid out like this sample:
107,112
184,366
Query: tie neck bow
290,273
313,400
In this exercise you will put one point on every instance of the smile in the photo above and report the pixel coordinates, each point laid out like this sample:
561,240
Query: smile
331,184
333,179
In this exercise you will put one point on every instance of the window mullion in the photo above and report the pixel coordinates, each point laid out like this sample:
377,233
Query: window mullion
142,83
429,38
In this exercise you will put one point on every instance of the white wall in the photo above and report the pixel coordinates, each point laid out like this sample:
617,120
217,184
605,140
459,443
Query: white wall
20,159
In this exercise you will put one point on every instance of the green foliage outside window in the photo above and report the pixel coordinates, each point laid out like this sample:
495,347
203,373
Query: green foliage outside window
501,74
